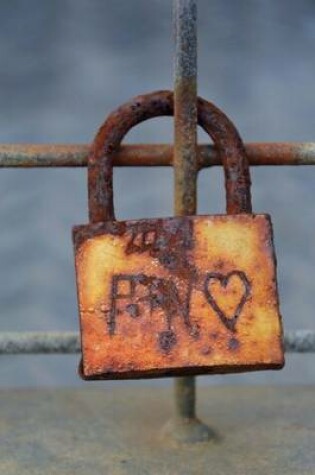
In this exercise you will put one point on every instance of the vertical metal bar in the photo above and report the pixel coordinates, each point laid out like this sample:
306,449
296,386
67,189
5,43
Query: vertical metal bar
185,106
185,145
186,427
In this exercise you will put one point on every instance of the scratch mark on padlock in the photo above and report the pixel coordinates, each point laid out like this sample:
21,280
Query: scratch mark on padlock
170,242
228,321
157,293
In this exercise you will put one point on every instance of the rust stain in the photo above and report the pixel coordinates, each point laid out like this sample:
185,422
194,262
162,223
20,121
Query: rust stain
185,161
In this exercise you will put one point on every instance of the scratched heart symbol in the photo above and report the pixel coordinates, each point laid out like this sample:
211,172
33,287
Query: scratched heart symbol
228,320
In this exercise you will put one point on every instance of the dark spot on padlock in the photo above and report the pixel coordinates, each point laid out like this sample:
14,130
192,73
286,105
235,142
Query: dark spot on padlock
168,260
109,148
233,344
167,340
115,227
157,301
214,335
133,310
156,103
206,350
135,106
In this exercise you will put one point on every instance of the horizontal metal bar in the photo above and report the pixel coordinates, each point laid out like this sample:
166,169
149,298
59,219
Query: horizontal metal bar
185,170
300,341
12,343
37,155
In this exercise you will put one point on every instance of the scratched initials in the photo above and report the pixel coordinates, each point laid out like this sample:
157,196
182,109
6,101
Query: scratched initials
161,293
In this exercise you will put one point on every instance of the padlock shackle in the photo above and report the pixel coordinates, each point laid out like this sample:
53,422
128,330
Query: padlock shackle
160,103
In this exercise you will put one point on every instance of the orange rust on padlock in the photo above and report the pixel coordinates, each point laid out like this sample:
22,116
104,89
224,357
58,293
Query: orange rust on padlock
182,295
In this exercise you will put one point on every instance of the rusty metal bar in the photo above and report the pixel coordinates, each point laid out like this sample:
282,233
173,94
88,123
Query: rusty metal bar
138,155
185,156
185,107
299,341
14,343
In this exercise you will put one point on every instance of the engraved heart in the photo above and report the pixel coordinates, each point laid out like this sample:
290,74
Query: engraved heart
223,282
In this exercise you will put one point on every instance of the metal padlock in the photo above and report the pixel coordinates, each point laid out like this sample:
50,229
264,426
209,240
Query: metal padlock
180,295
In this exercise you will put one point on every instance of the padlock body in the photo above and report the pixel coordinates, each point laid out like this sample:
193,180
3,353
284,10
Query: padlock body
178,296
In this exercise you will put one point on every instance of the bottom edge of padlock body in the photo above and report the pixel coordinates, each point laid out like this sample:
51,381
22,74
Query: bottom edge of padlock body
153,373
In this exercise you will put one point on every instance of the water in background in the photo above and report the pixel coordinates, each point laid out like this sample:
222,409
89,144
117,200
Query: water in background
65,65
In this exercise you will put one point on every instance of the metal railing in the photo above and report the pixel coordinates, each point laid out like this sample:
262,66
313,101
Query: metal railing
14,343
187,159
157,155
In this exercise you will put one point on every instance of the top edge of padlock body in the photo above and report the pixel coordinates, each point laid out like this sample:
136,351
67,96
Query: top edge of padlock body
161,103
83,232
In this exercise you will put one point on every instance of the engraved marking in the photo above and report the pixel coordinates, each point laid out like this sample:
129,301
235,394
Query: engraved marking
233,344
119,282
228,321
162,293
168,242
141,241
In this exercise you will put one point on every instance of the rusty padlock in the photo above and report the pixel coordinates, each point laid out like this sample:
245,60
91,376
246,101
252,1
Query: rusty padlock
180,295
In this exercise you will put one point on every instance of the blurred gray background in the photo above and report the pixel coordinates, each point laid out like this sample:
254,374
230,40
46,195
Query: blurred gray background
65,65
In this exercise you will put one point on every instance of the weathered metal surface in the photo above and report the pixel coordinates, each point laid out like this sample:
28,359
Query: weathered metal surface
172,296
185,165
161,273
156,155
15,343
185,107
43,155
300,341
289,153
119,122
117,431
